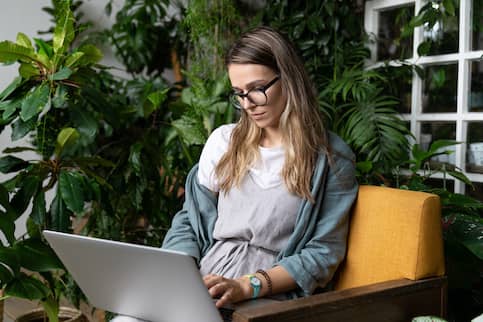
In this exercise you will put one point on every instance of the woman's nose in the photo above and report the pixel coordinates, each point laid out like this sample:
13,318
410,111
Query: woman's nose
246,103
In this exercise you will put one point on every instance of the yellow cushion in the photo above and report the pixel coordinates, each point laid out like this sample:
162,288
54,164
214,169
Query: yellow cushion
393,234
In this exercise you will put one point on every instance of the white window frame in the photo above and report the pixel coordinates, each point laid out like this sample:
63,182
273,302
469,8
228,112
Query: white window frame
463,57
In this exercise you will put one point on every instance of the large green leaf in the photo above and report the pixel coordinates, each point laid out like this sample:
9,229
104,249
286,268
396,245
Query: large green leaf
36,256
45,49
438,145
28,188
154,101
70,185
27,287
10,163
10,52
62,74
73,58
35,102
85,123
7,226
60,96
190,130
9,258
10,88
135,157
60,216
9,108
64,29
460,176
91,56
66,139
372,127
38,208
4,197
21,128
24,40
28,70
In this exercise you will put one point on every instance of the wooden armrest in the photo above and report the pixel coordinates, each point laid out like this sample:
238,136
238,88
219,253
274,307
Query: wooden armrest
398,300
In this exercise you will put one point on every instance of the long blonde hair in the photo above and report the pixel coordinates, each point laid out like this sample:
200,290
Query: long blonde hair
303,133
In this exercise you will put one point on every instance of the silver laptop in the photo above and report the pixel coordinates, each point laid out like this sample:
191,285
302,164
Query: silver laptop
144,282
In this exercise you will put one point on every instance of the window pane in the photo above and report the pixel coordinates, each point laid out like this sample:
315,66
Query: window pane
442,38
389,43
474,157
476,96
440,88
432,131
477,27
399,83
476,191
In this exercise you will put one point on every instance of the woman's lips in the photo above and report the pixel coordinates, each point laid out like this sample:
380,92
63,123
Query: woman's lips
257,116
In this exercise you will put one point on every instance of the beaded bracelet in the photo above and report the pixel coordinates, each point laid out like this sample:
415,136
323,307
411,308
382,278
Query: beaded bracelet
268,279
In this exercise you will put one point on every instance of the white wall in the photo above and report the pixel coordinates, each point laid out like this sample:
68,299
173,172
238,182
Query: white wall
28,17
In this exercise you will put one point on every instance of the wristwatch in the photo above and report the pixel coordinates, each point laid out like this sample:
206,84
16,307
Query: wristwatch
256,284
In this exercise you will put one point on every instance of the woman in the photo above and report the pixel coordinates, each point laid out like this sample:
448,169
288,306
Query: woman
266,210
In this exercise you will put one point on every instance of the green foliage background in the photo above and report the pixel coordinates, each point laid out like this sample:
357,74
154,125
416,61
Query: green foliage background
116,151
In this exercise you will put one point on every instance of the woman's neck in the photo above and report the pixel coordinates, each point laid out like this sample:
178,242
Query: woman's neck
271,138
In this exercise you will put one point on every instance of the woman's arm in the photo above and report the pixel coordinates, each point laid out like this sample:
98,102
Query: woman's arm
320,236
191,230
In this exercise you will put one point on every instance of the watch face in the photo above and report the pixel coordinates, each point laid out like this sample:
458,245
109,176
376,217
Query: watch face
255,281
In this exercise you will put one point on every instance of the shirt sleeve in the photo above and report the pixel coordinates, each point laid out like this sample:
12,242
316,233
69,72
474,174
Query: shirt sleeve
215,147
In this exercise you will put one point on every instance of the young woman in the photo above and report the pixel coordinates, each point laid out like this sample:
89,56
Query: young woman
266,210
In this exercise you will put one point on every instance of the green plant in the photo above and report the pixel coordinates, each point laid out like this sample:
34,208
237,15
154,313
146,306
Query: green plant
35,104
211,27
462,221
160,136
442,12
334,49
142,33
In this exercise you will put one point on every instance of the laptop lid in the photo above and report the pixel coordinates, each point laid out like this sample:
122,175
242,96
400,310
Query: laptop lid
148,283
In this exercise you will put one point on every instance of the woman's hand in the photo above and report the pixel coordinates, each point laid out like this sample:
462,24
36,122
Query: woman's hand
228,290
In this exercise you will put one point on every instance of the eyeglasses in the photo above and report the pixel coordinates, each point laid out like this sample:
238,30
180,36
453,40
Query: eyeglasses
256,95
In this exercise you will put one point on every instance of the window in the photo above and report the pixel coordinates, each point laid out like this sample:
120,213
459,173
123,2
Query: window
447,103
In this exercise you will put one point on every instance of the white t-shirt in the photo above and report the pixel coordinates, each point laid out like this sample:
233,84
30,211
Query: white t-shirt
265,172
254,220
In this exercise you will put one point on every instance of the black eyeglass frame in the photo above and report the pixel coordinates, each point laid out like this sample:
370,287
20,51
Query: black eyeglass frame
236,103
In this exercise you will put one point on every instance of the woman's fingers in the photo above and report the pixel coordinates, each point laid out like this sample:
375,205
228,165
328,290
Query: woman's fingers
218,289
227,290
225,299
211,280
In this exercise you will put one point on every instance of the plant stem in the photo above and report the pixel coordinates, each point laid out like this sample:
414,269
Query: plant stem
51,307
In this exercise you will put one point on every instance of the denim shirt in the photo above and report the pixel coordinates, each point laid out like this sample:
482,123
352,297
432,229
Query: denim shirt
318,243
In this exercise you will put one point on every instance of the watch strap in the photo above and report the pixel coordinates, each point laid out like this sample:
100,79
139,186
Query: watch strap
255,283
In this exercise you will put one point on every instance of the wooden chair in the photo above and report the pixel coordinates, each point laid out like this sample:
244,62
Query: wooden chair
393,271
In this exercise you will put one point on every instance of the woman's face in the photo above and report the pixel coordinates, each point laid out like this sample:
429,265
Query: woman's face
245,77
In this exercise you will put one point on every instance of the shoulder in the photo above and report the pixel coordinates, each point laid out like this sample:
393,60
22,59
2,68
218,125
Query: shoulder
340,161
218,140
339,148
221,135
215,147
